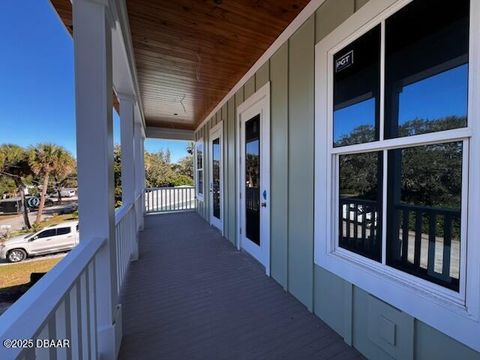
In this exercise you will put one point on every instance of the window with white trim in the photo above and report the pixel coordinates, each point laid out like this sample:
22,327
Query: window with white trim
199,168
397,180
410,185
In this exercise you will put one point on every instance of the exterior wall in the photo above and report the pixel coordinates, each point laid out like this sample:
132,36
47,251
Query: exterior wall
350,311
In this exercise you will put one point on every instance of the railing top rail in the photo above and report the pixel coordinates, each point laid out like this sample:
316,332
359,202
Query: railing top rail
169,187
29,313
429,209
122,212
358,201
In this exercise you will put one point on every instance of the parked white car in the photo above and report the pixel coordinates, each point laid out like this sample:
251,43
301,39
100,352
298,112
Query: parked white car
50,240
68,192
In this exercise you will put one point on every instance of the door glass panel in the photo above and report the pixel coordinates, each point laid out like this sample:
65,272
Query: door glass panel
216,177
424,211
356,91
426,68
360,203
252,179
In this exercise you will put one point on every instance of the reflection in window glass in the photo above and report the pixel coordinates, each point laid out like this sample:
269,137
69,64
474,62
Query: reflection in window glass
360,203
216,177
426,68
252,179
425,186
200,182
356,91
200,168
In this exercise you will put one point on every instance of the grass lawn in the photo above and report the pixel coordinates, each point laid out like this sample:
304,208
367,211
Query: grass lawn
17,274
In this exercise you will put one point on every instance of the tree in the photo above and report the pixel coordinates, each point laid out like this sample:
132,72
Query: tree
43,160
14,165
65,166
117,174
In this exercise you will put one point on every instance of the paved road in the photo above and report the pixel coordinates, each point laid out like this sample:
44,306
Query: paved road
16,221
36,258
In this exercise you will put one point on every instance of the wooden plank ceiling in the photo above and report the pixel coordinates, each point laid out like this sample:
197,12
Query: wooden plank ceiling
190,53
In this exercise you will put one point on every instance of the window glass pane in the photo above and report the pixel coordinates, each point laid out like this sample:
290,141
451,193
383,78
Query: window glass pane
252,179
216,157
426,68
425,189
63,231
199,156
360,203
200,181
356,91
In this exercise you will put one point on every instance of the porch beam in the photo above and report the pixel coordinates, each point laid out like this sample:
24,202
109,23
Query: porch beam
94,129
170,134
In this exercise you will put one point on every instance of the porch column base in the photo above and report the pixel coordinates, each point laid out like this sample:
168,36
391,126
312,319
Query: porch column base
110,337
134,255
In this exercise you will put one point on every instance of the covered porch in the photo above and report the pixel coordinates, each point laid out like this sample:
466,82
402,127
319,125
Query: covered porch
194,296
251,83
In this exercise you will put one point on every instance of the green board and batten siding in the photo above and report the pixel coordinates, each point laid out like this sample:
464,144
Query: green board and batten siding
349,310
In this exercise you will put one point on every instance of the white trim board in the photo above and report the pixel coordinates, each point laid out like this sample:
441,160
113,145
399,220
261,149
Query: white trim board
216,132
303,16
200,197
258,103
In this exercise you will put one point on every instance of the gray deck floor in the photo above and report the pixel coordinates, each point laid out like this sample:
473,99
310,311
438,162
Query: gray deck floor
192,295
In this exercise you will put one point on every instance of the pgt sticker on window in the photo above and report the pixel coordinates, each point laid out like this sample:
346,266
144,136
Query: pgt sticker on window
344,61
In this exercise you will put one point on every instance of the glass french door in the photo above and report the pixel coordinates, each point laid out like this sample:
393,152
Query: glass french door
254,177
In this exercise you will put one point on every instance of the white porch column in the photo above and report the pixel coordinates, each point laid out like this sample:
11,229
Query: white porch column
139,170
127,120
127,104
94,124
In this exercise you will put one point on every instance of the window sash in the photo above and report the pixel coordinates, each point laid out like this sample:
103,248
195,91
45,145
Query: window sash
199,169
459,134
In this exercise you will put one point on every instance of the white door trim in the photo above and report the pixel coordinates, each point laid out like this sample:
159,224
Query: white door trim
216,132
258,103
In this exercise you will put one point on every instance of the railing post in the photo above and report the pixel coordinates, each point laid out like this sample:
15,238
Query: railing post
92,21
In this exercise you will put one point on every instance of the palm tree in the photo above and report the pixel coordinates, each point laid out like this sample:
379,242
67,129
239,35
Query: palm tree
43,160
14,164
65,166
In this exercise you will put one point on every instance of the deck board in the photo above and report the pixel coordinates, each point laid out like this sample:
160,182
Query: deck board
192,295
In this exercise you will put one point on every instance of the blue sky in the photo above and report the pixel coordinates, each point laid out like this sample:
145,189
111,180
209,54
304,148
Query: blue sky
441,95
37,102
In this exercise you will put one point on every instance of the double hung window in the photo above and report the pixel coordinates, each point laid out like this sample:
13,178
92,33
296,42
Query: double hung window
398,146
199,168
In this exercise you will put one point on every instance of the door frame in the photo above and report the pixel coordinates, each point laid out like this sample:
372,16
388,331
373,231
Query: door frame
258,103
215,132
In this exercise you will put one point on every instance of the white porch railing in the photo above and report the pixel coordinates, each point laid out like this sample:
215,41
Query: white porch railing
125,239
60,306
166,199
